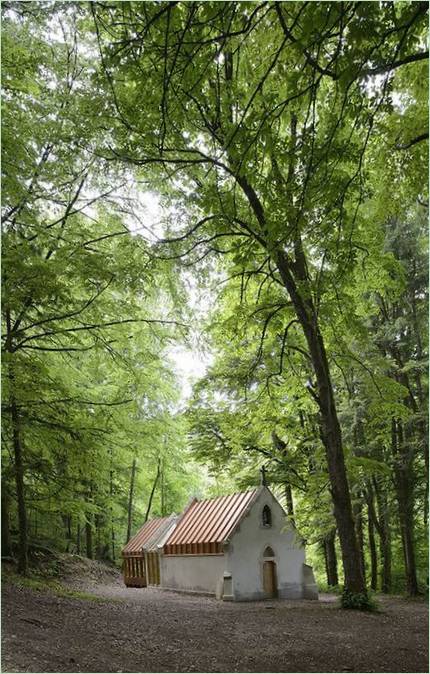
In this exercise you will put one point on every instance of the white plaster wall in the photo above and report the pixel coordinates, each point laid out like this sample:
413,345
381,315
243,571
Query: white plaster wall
244,555
197,573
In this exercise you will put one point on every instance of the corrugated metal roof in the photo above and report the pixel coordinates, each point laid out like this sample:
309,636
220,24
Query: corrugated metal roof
162,532
145,535
209,522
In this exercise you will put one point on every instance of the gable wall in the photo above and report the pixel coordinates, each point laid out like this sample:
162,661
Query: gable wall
244,556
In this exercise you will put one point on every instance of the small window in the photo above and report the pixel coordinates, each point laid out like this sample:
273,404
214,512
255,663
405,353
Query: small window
267,517
268,552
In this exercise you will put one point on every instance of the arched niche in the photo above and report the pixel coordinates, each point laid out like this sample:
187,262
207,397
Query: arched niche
266,516
268,552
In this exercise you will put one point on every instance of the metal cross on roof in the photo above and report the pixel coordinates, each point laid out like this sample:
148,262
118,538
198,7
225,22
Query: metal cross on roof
263,480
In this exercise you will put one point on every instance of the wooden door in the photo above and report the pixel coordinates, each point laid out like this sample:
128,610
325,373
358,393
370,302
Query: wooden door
269,579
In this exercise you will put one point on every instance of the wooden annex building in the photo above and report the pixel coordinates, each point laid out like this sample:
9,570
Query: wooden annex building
141,561
236,547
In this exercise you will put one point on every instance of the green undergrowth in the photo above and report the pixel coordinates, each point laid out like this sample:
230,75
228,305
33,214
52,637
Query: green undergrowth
360,601
330,589
41,584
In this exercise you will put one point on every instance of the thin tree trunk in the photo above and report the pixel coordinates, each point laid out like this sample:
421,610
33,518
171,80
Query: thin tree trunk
331,558
290,503
78,538
373,554
148,510
423,426
426,494
358,525
113,542
98,526
6,544
163,506
327,572
67,521
130,499
382,526
403,484
19,481
18,455
89,536
111,507
89,523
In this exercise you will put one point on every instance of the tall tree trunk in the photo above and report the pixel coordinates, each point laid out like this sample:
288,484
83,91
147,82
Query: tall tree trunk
331,558
148,510
281,447
130,499
111,507
295,280
113,542
357,510
403,484
19,481
290,503
89,536
6,544
98,527
373,554
89,524
17,453
422,425
162,488
78,538
426,493
382,525
67,522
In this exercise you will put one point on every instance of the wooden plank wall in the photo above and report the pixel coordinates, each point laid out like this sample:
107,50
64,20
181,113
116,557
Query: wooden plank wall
210,548
153,565
134,571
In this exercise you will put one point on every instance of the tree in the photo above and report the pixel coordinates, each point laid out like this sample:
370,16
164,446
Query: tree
268,155
84,336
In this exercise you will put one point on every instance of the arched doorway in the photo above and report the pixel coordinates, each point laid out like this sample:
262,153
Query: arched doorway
270,582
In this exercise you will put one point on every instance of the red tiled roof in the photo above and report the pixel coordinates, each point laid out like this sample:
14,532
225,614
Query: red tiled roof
144,535
205,525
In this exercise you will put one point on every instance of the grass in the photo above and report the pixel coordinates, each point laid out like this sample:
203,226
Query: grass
40,584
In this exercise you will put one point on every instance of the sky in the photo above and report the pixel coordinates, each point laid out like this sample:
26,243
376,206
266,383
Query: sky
190,362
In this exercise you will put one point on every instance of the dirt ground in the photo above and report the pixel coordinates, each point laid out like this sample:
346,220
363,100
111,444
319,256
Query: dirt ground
141,630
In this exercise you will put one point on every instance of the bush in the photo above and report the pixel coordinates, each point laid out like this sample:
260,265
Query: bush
360,601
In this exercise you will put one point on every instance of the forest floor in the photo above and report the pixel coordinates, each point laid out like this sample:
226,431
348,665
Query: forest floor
98,625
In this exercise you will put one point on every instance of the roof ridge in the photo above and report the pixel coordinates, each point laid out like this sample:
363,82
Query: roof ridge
235,493
210,520
142,535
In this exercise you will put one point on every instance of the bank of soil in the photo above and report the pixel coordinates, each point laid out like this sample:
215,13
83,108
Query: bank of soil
148,630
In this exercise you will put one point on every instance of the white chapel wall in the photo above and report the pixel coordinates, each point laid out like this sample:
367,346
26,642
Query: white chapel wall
196,573
244,556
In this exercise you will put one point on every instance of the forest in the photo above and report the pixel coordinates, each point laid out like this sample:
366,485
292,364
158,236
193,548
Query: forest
238,189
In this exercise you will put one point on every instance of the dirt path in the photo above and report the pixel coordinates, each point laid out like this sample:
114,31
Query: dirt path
138,630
